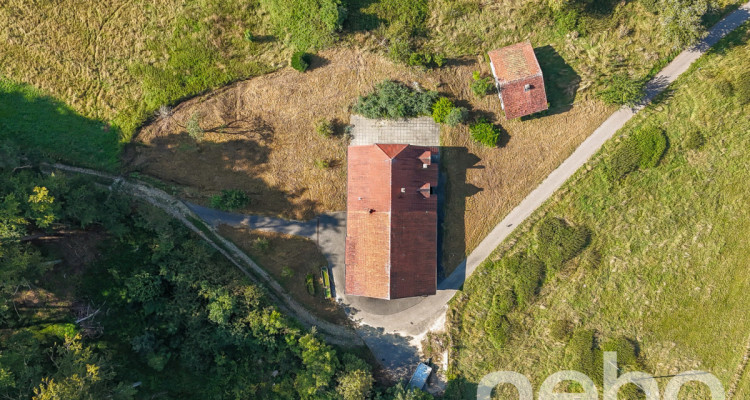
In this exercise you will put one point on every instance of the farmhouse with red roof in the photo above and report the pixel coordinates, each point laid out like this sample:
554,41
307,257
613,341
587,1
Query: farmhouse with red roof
519,80
391,238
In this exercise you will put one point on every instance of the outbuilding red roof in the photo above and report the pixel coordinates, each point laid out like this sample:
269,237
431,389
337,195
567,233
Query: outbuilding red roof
519,80
391,238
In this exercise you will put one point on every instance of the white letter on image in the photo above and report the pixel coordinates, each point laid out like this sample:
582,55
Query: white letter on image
489,381
612,383
713,383
548,386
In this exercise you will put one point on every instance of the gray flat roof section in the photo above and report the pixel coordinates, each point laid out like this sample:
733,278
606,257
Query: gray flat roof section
422,131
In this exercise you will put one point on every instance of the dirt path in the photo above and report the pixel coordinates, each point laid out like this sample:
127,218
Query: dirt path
333,333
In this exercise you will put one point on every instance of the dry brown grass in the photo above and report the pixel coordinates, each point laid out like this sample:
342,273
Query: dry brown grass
484,184
260,138
301,256
261,135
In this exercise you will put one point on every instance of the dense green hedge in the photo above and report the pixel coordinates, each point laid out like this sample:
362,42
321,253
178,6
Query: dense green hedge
642,150
393,100
558,242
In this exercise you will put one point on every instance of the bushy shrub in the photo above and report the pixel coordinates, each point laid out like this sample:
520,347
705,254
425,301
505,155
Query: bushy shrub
742,88
399,50
310,284
441,109
724,87
651,6
458,115
300,61
324,127
580,354
438,59
643,150
229,200
558,242
193,128
393,100
485,133
480,86
261,245
355,385
566,20
504,301
694,139
303,23
652,143
426,60
620,89
528,279
497,328
420,59
561,329
624,160
321,163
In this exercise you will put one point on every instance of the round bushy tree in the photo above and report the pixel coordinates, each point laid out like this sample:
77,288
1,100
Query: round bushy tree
441,109
300,61
485,133
457,116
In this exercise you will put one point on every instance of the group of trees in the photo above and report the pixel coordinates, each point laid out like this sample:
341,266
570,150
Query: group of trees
179,319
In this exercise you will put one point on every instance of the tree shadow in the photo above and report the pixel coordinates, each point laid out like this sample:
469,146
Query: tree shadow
212,167
454,163
264,39
36,122
561,81
600,8
357,20
316,61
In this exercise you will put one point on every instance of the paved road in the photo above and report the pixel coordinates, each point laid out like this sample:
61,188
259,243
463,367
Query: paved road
392,329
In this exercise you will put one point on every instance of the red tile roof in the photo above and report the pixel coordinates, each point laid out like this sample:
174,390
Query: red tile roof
391,242
519,80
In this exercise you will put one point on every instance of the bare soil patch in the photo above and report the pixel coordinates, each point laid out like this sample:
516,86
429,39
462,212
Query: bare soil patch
260,138
289,259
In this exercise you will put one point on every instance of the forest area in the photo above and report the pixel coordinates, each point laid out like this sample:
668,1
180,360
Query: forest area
140,308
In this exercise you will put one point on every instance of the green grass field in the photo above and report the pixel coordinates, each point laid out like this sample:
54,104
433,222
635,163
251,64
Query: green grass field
122,60
666,266
34,120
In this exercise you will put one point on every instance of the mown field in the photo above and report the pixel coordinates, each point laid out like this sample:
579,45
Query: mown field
650,259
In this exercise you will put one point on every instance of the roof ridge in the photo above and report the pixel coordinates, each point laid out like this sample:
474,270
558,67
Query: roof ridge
388,152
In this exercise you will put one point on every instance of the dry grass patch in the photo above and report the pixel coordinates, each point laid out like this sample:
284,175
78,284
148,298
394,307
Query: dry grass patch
484,184
261,138
289,259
